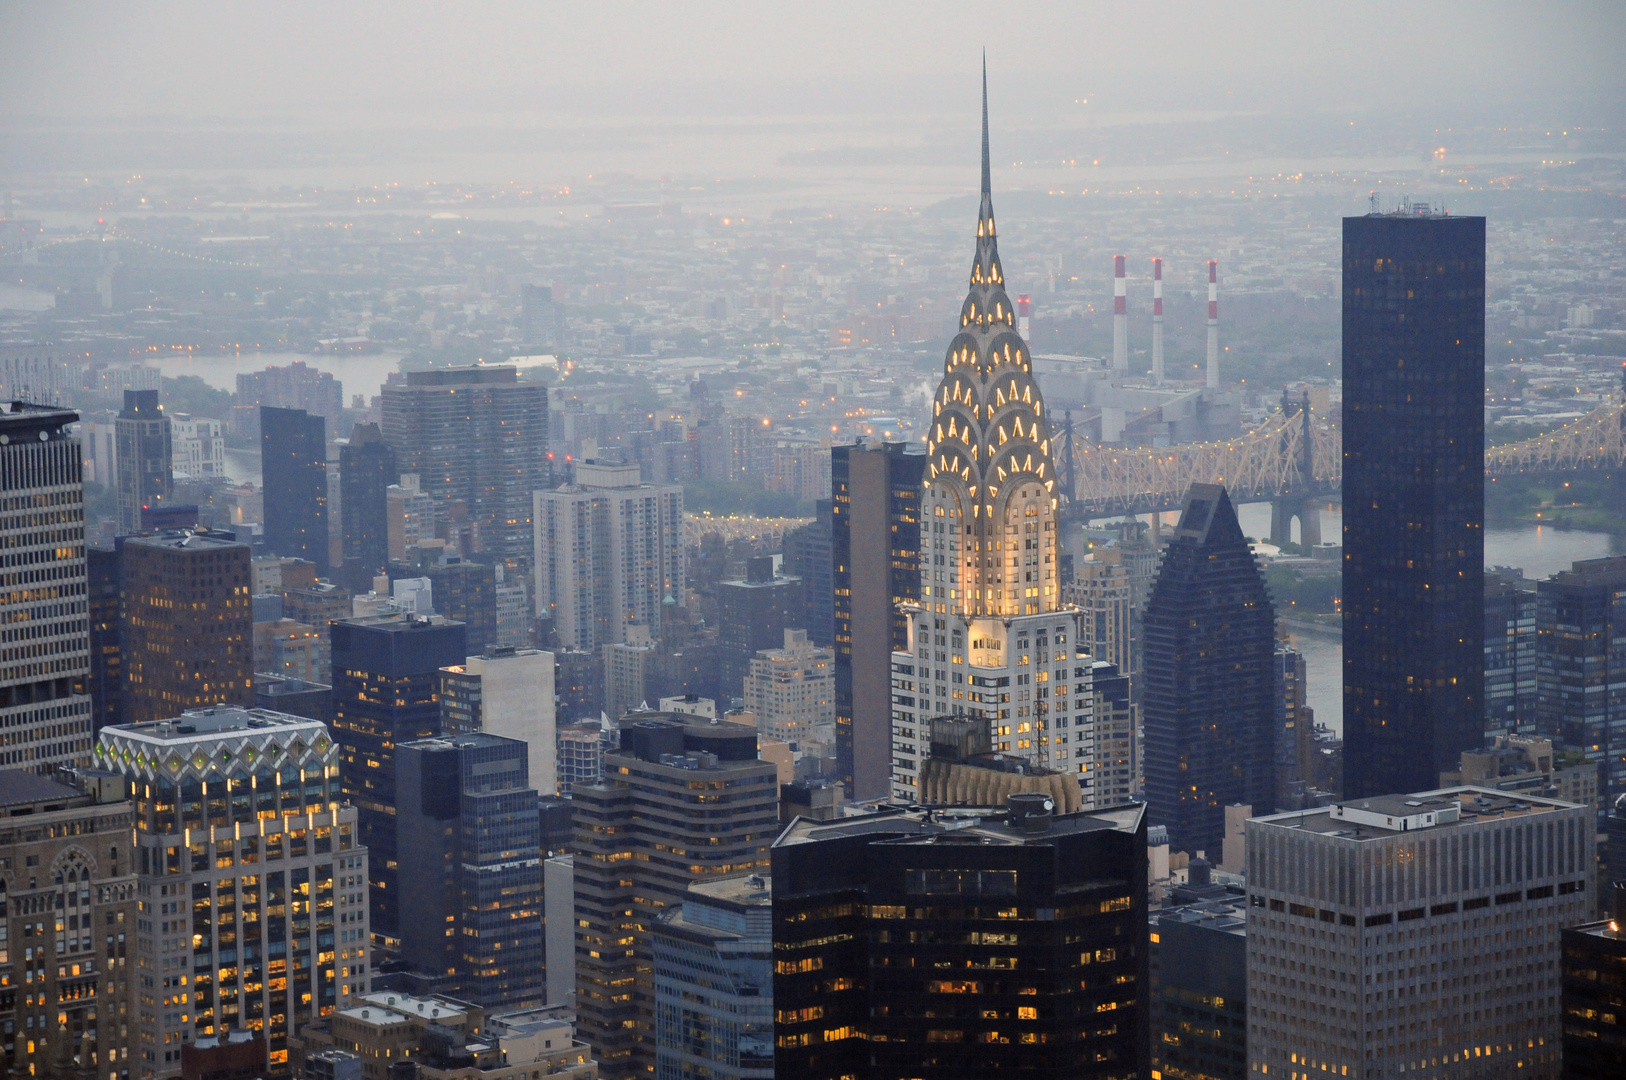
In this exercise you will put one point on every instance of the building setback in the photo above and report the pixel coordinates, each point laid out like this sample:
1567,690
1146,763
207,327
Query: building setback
680,802
973,946
68,915
476,434
386,682
1210,687
1414,497
188,623
293,453
1407,934
875,545
44,591
469,833
252,881
713,965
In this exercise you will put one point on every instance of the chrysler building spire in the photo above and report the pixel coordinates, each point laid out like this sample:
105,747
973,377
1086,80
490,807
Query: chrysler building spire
989,445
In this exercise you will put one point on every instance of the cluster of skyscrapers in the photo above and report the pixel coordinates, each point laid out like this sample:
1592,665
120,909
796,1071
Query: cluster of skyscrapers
284,805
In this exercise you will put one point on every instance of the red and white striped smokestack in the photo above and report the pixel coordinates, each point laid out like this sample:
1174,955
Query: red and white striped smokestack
1157,321
1024,307
1213,324
1120,316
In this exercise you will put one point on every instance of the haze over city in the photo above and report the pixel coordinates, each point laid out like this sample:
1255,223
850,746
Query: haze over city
838,542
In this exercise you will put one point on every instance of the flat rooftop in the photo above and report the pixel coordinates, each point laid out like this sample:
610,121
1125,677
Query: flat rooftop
435,1008
1386,815
18,787
216,720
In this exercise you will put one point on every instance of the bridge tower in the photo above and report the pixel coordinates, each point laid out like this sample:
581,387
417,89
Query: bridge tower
1296,500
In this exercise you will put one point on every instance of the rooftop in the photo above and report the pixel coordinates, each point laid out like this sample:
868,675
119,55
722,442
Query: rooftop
215,720
18,786
932,826
1385,815
752,890
185,540
436,1008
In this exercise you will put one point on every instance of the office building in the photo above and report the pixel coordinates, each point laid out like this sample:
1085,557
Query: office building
1100,590
386,685
578,684
1515,763
45,660
580,754
752,615
293,386
1210,688
188,624
293,454
1414,497
1295,727
541,321
289,648
469,834
411,517
1510,652
1581,638
507,692
513,610
875,545
297,697
66,845
479,435
911,946
1199,989
145,457
1458,874
641,840
367,470
1594,993
792,691
609,552
713,973
333,1064
808,558
1115,730
106,637
467,591
988,635
240,831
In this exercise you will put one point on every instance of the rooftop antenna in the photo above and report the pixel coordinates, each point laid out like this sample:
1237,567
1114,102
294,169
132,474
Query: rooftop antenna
1373,204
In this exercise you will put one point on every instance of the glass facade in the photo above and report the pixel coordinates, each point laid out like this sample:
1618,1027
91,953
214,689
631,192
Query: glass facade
1414,498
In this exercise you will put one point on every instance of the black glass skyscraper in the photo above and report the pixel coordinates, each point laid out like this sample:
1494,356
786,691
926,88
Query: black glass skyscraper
1210,697
293,458
386,685
1414,498
366,470
875,548
470,831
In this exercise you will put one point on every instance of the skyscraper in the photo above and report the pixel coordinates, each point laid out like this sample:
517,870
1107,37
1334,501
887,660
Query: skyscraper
188,624
467,591
642,838
1414,495
988,636
875,555
1009,943
1479,883
608,553
1580,644
509,692
1510,651
45,646
71,858
752,615
470,832
104,604
791,691
146,476
1594,992
293,455
366,471
477,434
1210,689
242,841
386,680
808,558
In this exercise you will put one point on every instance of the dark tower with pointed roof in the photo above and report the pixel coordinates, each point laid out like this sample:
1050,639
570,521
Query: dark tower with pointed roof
1209,691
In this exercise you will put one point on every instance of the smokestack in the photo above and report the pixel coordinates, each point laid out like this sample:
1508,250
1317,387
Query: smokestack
1023,307
1120,316
1213,325
1157,321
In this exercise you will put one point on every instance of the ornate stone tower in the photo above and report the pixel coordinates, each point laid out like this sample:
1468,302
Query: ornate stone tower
989,610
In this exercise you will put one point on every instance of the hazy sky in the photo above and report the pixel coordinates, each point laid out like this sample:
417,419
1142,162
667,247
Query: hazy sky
319,63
